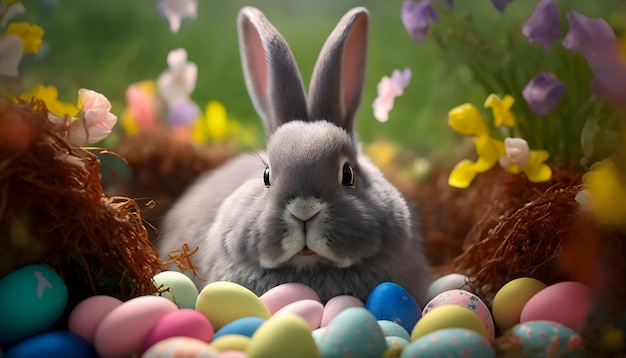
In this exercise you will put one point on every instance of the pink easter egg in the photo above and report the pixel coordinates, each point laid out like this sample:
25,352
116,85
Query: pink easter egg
88,313
568,303
184,322
232,354
123,331
336,305
181,347
468,300
310,310
282,295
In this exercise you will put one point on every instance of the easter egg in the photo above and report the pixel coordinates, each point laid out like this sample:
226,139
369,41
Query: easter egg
180,347
389,301
231,342
317,334
545,339
285,336
33,299
450,342
176,287
182,322
448,316
52,345
568,303
310,310
395,346
223,302
88,313
338,304
510,300
354,332
392,329
286,293
448,282
124,330
245,326
232,354
467,300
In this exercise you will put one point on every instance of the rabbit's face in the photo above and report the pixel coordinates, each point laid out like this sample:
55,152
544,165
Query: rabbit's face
317,210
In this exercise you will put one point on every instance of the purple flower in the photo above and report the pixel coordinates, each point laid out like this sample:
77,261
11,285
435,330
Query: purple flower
183,113
543,92
544,25
416,17
500,5
593,38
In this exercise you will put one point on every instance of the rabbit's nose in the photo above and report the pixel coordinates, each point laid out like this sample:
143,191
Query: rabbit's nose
304,209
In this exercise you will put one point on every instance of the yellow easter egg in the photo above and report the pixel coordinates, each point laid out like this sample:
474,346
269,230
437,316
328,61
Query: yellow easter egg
448,316
283,336
231,342
510,300
223,302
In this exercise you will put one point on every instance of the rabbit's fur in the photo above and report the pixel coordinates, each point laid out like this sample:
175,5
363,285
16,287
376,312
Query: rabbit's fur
311,224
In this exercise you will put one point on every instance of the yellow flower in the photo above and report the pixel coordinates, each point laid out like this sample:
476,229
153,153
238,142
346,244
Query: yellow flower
49,96
606,187
489,151
213,125
501,109
30,35
466,120
129,124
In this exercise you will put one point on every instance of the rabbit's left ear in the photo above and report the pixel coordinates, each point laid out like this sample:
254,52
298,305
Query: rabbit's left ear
337,81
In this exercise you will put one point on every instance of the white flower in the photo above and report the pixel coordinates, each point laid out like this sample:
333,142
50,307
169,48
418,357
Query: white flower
179,80
11,52
517,152
14,9
176,10
388,90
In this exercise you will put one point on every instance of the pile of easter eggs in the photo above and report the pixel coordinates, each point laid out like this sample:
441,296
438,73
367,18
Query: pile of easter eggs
225,319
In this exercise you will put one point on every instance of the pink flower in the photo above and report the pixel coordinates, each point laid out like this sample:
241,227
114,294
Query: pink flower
388,89
95,120
176,10
142,103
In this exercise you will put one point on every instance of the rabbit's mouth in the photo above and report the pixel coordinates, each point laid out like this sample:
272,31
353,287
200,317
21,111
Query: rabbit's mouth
306,252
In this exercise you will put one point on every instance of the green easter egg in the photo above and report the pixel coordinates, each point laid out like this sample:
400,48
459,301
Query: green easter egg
33,299
176,287
283,336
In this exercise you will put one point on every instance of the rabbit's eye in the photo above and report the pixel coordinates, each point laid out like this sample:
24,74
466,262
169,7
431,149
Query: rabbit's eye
347,175
266,176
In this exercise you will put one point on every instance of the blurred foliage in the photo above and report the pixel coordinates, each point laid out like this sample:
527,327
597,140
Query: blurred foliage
107,45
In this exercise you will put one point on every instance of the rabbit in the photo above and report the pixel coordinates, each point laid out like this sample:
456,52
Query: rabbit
312,208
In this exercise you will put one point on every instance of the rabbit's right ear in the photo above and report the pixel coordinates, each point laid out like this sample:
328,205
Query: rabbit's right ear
270,70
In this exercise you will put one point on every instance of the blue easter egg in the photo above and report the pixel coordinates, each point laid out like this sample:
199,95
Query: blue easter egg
389,301
354,332
52,345
546,338
33,299
450,342
245,326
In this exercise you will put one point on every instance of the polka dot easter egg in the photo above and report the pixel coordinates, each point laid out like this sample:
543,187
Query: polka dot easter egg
465,299
450,342
545,339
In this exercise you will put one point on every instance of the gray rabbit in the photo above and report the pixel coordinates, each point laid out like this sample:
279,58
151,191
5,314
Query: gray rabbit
312,208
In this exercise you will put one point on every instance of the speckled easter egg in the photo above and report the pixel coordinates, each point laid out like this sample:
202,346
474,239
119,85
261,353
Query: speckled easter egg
124,330
33,299
286,336
568,303
545,339
231,342
223,302
354,332
511,298
310,310
450,343
468,300
282,295
448,282
176,287
392,329
180,347
245,326
448,316
390,301
88,313
52,345
183,322
336,305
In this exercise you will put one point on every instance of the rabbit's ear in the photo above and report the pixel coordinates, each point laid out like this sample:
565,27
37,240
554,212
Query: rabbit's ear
337,81
271,73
